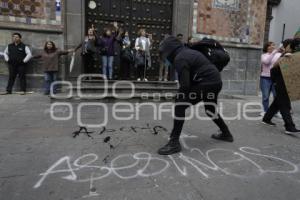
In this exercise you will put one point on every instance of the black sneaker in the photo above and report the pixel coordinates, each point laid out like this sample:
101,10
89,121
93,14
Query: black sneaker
292,131
269,123
170,148
227,137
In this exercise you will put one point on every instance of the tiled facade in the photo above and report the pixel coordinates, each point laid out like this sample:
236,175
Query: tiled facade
230,21
240,26
33,12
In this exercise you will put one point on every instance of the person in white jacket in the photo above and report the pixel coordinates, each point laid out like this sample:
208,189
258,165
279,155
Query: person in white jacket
17,55
143,57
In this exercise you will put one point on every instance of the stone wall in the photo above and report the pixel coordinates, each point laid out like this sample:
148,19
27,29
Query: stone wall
241,76
74,31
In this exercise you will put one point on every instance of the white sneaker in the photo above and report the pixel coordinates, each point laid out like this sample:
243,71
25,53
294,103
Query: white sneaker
166,80
138,79
145,79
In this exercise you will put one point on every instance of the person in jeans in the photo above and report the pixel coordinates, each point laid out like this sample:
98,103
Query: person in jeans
163,71
164,66
199,77
268,59
282,101
49,60
88,51
143,57
17,55
107,50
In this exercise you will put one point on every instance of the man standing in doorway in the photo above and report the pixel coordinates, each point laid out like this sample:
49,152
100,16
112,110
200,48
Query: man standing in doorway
17,55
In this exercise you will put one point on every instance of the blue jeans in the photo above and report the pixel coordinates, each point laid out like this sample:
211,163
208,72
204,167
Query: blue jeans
107,65
50,77
266,86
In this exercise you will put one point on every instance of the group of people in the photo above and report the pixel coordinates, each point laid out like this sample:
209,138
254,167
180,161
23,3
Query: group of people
17,55
103,46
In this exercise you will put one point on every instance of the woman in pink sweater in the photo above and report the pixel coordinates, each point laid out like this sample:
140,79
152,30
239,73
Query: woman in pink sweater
268,59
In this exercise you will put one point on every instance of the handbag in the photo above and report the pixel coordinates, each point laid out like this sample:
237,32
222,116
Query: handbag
140,59
127,55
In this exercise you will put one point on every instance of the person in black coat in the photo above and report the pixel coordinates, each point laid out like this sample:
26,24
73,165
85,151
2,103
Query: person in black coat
199,81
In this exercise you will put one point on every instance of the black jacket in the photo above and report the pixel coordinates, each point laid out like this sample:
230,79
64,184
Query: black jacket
193,67
280,87
17,53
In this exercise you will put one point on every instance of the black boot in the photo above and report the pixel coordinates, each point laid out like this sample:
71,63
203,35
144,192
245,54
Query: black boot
291,130
224,136
172,147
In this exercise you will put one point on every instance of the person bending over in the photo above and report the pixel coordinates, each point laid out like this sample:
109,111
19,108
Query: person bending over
199,81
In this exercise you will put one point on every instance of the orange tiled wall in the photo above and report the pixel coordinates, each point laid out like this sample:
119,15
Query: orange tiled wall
238,21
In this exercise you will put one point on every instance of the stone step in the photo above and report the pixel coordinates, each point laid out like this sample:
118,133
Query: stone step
137,84
123,89
93,90
110,98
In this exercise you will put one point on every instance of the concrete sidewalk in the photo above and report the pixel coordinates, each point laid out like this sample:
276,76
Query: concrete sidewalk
41,158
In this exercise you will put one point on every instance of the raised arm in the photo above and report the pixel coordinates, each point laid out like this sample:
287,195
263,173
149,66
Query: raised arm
267,58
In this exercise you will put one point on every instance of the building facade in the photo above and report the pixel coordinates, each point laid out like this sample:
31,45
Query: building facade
238,24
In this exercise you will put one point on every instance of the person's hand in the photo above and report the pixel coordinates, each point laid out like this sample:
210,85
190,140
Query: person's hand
71,50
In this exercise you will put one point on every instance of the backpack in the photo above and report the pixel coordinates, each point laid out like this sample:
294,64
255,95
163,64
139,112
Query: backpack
214,51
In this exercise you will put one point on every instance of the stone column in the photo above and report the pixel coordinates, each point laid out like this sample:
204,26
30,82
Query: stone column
74,31
183,17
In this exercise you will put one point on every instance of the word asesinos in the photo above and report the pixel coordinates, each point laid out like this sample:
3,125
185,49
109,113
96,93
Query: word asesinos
143,164
125,111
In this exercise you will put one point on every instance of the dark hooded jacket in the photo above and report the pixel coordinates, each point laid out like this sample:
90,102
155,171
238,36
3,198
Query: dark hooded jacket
192,66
